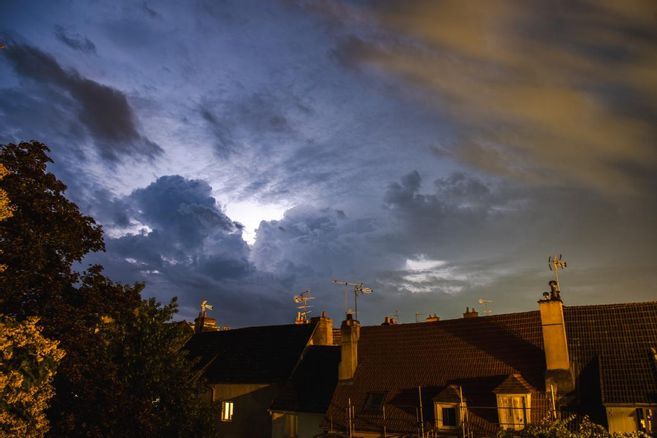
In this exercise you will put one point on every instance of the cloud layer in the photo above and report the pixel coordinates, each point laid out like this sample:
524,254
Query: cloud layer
437,151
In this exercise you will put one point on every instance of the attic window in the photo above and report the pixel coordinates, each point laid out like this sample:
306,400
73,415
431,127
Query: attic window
227,411
513,410
447,415
374,401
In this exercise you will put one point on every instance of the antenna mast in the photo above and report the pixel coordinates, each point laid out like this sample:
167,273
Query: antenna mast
487,310
359,289
555,263
304,308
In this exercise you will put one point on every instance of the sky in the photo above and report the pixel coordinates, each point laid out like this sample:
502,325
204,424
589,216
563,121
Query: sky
438,151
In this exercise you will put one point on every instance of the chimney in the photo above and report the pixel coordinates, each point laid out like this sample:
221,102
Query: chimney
388,320
555,343
323,333
432,317
470,313
204,323
350,332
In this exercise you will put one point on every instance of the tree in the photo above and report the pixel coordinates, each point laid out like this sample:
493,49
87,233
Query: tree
43,238
28,362
6,209
121,374
565,428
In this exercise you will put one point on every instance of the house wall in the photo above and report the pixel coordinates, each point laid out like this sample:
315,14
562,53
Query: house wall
621,419
308,425
250,415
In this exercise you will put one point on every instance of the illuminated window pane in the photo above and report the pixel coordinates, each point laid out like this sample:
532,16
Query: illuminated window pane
227,411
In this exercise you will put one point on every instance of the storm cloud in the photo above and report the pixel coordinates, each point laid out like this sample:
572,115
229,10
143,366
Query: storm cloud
437,151
103,110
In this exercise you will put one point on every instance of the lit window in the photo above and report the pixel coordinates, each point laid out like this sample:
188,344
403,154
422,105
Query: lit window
227,411
447,415
513,411
291,425
646,420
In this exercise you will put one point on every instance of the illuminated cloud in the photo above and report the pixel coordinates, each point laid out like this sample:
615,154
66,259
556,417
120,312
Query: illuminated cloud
545,93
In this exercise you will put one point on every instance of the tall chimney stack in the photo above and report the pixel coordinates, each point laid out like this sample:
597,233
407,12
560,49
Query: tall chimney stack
350,332
555,343
323,334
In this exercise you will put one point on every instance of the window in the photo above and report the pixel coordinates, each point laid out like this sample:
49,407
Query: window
291,425
374,401
227,410
447,415
513,411
646,419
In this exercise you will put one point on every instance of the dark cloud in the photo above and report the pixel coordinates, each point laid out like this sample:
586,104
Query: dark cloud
74,40
103,110
173,235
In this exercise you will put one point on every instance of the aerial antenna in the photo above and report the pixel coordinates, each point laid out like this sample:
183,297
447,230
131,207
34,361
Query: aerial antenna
205,306
358,288
417,316
304,308
487,310
555,263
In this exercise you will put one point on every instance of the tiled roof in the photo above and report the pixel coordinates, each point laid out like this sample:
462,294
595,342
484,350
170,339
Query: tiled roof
620,337
513,384
266,354
480,353
312,383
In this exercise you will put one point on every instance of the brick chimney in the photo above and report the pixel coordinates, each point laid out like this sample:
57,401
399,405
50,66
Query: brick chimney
350,332
204,323
388,320
555,343
432,317
323,334
470,313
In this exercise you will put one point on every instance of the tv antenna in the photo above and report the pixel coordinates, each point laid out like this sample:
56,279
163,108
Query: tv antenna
358,288
487,310
555,263
302,299
205,306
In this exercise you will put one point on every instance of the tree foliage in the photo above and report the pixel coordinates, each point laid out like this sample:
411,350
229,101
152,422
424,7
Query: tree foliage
45,235
565,428
28,362
6,209
124,373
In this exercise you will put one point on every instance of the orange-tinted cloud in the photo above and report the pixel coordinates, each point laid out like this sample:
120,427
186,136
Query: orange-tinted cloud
550,93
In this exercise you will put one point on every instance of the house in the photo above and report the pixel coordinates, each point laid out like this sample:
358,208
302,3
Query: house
246,369
300,407
475,375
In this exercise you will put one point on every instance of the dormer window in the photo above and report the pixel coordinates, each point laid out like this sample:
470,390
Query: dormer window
448,408
513,402
447,415
513,410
